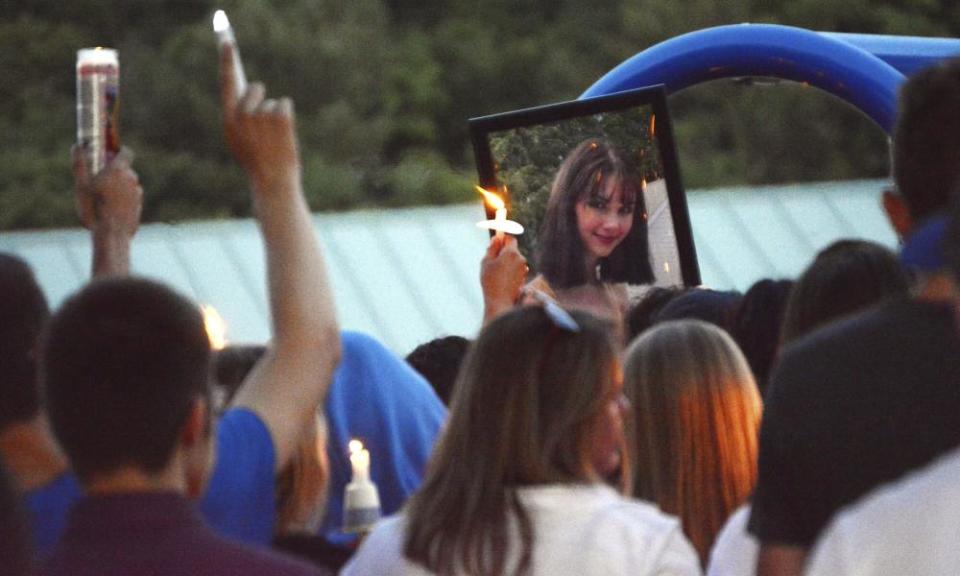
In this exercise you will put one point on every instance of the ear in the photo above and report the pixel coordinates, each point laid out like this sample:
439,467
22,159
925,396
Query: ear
195,428
196,448
897,213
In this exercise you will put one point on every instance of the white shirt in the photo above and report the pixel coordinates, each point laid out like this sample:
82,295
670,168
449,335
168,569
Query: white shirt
911,527
580,530
735,550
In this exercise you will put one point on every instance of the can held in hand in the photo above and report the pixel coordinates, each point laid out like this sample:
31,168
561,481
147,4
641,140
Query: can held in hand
98,105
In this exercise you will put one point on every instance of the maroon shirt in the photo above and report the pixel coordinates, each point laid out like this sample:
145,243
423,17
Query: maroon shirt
148,534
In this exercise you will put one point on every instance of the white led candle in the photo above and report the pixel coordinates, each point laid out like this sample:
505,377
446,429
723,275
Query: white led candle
221,25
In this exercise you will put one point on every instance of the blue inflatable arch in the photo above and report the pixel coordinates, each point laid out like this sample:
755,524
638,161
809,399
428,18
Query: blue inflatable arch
859,69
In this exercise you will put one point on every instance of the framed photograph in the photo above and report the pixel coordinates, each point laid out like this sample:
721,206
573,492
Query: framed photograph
596,185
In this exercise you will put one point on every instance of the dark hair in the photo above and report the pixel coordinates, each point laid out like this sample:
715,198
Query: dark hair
123,362
14,535
582,176
926,140
439,362
528,397
757,325
717,307
643,311
845,277
23,311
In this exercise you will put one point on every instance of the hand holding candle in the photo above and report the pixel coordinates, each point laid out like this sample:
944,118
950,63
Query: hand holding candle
500,224
221,25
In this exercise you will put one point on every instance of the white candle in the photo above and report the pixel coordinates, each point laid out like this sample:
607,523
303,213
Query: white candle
221,25
360,461
501,220
499,224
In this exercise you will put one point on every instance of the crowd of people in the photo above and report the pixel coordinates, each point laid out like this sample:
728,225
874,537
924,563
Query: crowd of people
804,426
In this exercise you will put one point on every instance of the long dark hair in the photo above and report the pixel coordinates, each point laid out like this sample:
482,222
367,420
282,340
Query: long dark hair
528,397
581,176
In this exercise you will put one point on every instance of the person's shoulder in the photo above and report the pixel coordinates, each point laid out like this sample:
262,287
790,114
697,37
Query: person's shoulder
903,527
735,550
646,538
610,515
382,550
928,493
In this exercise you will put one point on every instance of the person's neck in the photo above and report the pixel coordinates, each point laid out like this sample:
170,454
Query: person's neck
591,263
132,479
936,287
31,453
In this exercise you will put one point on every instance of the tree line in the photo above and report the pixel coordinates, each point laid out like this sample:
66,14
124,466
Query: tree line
383,89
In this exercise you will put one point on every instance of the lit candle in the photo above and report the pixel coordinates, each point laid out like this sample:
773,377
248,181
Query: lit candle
361,500
360,461
215,326
221,25
499,224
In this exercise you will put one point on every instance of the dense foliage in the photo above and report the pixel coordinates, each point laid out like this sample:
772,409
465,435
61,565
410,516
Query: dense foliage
383,89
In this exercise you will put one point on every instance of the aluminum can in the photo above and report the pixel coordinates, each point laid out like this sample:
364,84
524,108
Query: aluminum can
98,105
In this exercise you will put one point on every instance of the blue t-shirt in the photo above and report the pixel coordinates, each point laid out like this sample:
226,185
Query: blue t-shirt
48,507
239,502
379,399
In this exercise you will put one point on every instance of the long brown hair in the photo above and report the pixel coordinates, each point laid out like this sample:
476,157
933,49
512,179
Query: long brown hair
694,432
527,400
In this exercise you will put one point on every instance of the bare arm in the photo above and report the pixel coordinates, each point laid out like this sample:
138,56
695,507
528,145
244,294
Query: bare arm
502,273
287,385
109,205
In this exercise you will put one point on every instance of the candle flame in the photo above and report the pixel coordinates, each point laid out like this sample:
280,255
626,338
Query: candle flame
220,21
495,201
215,326
355,446
653,125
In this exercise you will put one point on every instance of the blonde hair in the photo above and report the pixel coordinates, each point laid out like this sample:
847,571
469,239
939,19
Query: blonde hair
301,488
696,416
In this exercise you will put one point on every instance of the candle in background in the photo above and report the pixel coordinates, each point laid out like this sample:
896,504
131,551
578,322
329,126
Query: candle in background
215,326
221,25
499,224
360,461
361,501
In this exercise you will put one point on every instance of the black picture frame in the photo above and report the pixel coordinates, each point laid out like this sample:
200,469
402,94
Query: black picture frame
529,146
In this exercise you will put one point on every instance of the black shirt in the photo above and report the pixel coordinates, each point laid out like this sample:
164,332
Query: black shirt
851,406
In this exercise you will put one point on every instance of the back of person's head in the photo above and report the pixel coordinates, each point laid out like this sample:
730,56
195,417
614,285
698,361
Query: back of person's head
756,327
696,417
526,410
847,276
14,540
439,362
926,141
718,307
124,361
643,311
23,311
